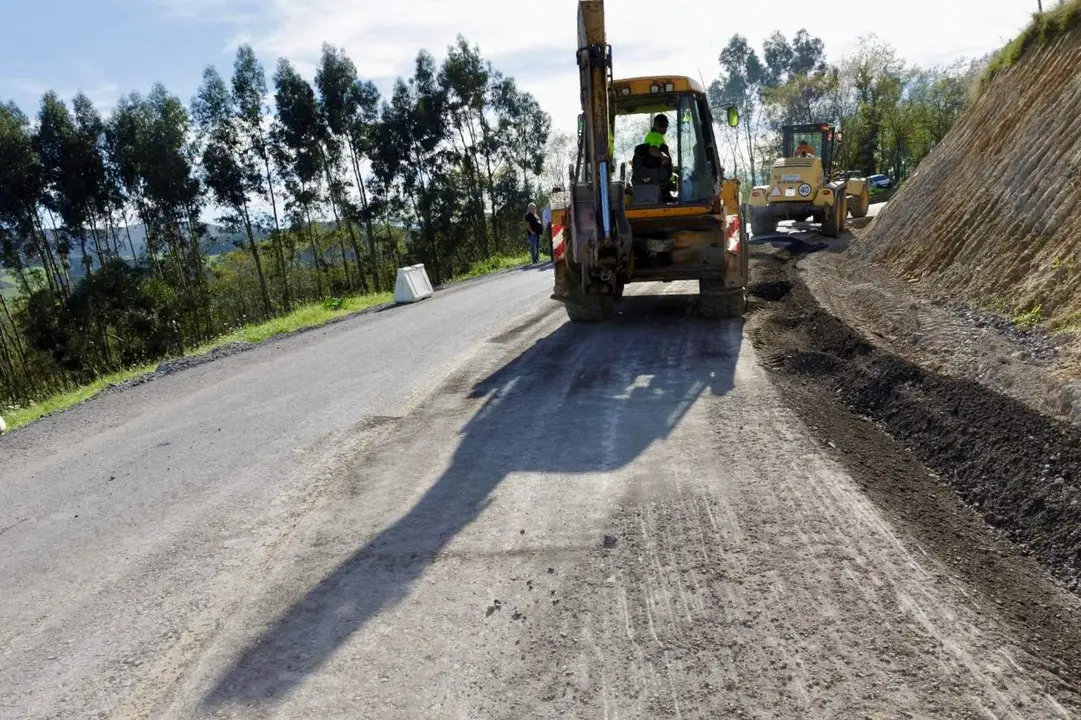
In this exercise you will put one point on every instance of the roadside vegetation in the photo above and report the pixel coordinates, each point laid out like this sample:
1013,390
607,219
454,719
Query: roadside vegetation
1045,28
318,190
890,114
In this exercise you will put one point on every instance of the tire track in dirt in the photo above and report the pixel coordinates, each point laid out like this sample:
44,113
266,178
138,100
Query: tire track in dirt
757,580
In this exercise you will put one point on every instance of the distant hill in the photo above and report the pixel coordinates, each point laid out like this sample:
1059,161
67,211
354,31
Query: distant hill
219,240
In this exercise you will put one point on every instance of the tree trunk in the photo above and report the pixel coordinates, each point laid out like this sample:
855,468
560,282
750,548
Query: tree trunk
18,343
474,189
200,268
97,241
356,251
315,252
131,243
484,134
278,242
64,257
41,245
341,242
87,261
332,194
258,263
152,249
7,364
750,152
354,158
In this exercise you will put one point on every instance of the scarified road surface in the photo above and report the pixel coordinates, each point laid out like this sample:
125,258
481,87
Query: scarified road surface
470,508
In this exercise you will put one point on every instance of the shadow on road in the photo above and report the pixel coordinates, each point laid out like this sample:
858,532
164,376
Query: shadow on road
584,399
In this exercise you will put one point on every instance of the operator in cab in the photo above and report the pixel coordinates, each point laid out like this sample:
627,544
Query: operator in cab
655,139
805,150
659,153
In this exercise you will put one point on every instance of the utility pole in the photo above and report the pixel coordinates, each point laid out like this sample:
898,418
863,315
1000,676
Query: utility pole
1039,4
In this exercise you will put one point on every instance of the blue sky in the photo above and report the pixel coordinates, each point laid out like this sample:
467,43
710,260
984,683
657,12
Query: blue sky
110,47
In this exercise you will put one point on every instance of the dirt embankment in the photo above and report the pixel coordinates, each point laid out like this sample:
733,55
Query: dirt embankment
993,216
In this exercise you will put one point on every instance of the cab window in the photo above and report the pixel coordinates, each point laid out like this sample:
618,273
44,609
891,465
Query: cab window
695,176
813,139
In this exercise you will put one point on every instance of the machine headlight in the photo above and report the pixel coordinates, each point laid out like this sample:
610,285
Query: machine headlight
804,190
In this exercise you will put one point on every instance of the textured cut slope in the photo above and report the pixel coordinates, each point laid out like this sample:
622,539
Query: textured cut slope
993,215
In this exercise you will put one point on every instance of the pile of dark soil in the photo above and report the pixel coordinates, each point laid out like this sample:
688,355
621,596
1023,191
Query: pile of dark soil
891,421
1021,469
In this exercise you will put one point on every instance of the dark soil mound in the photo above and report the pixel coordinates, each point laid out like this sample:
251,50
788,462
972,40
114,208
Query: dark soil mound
1021,470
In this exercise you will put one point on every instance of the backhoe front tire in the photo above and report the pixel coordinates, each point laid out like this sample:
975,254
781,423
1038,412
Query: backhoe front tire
829,222
719,302
858,205
584,307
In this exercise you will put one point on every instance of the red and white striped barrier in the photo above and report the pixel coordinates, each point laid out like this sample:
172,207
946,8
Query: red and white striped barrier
732,234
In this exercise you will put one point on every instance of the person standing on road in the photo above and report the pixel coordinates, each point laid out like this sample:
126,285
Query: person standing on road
533,229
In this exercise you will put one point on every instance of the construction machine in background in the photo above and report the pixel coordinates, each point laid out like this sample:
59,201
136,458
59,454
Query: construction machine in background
802,185
681,221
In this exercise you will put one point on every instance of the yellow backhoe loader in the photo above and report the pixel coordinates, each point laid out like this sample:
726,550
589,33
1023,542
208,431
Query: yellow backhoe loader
801,185
646,199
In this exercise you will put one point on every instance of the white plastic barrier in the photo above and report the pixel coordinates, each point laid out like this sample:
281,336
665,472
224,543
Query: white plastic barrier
412,285
3,426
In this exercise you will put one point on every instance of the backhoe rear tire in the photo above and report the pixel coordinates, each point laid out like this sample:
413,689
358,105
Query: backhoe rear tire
763,226
719,302
583,307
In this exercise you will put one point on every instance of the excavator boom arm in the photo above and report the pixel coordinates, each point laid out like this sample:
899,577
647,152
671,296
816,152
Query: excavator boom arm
595,80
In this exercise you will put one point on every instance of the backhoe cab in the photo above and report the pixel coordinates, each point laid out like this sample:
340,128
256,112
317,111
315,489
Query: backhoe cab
802,186
642,206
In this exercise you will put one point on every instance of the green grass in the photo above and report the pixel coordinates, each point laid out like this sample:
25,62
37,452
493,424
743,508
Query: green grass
7,285
62,401
1029,318
307,316
1044,29
1069,264
495,264
1070,323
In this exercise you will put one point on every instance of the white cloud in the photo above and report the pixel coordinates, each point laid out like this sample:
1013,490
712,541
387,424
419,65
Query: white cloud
536,42
104,95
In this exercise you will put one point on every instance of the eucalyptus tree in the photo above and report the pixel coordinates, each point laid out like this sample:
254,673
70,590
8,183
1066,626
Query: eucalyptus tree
229,166
249,94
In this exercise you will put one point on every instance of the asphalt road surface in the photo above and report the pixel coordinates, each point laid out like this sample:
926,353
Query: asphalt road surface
469,508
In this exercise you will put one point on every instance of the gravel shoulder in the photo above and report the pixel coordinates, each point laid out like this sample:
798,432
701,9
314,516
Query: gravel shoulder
992,407
1036,369
987,484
